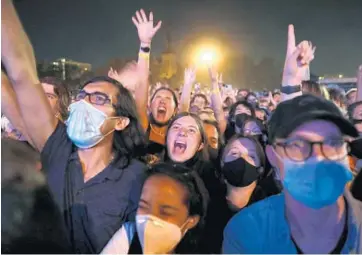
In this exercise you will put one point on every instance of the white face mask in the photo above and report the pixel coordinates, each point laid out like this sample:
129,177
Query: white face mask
157,236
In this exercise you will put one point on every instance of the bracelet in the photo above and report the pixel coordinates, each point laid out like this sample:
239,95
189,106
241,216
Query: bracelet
144,55
215,91
291,89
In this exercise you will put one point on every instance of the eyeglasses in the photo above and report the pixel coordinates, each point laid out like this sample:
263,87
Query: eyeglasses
97,98
300,150
254,131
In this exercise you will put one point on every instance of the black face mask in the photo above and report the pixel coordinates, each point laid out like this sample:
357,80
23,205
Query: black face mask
240,173
240,119
356,148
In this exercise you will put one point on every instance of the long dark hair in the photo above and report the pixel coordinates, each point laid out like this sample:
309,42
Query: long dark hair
230,128
131,141
151,117
203,153
197,200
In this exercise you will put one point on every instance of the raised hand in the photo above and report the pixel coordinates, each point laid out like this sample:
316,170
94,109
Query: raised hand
297,59
214,75
145,28
190,76
128,76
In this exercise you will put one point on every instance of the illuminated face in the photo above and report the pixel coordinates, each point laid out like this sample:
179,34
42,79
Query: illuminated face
183,139
251,128
277,98
352,97
313,131
212,135
242,109
238,197
260,114
163,106
199,102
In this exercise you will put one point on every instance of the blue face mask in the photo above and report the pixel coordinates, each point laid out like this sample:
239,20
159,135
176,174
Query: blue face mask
315,184
84,123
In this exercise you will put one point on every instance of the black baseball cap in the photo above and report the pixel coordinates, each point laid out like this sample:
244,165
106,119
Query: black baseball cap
292,113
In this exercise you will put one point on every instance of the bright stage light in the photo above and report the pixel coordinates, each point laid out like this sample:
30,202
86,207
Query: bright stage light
206,56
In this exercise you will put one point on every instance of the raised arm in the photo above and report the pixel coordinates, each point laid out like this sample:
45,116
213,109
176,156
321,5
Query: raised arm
10,107
146,31
216,100
189,80
296,67
359,84
19,60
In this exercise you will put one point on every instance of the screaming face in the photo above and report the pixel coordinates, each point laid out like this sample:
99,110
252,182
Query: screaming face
163,106
183,139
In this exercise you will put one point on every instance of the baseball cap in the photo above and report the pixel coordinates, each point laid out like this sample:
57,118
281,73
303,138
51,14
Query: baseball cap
292,113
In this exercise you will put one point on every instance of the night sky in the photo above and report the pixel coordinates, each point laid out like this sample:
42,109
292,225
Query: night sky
95,31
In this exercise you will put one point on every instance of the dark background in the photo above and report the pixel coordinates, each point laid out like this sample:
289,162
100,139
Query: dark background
250,32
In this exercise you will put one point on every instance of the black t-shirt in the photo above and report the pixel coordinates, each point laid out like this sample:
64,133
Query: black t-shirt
93,211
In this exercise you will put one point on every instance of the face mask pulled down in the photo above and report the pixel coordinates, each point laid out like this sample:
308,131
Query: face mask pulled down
157,236
316,184
84,123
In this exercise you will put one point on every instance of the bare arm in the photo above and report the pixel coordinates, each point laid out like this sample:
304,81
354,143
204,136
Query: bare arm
359,84
10,106
190,77
296,67
216,101
146,32
19,60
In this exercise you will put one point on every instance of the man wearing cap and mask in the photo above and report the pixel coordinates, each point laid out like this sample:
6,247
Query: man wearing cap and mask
308,145
312,215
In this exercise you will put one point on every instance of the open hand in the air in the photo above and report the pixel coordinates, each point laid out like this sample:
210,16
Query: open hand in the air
145,28
127,76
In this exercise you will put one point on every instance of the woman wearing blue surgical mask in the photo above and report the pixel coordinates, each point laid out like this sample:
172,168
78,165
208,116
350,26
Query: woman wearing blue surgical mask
170,214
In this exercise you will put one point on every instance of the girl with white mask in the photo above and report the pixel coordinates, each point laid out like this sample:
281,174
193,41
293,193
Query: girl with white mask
170,214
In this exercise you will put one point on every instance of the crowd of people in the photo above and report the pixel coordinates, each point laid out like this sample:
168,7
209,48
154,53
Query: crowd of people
126,167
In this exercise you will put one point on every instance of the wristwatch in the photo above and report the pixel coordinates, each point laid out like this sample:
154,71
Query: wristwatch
146,49
290,89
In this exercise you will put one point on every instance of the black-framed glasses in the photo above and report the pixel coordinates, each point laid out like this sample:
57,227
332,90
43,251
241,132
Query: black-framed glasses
252,131
300,150
97,98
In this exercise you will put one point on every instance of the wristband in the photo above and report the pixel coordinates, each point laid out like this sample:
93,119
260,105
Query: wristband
145,49
291,89
215,91
144,55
